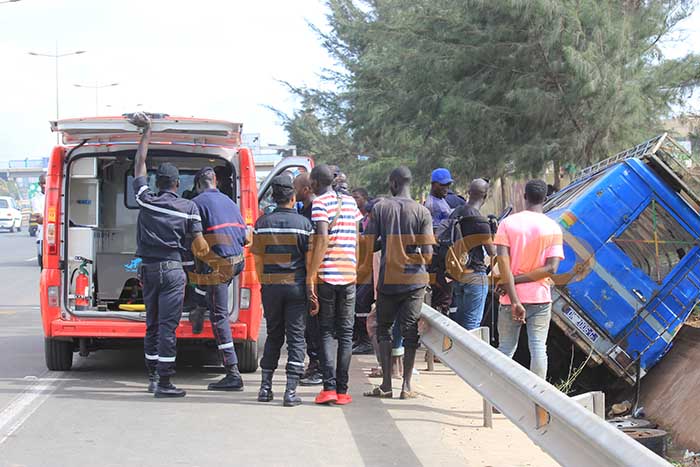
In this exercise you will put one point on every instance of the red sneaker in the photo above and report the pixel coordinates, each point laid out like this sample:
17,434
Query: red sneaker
343,399
326,397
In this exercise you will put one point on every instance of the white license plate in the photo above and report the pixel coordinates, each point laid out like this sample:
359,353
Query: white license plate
582,325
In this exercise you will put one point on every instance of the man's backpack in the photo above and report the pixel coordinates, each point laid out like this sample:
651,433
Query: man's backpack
448,256
452,254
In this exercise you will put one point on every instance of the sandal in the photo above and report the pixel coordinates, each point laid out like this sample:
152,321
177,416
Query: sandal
375,373
377,392
408,395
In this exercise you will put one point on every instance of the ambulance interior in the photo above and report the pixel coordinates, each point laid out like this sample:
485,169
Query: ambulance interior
101,214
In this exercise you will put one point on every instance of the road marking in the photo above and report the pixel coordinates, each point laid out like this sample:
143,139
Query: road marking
7,312
25,404
31,259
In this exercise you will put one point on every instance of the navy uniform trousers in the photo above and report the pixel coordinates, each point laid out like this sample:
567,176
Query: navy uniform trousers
163,293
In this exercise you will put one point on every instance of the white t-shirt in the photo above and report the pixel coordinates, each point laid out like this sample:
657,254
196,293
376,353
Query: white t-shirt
38,207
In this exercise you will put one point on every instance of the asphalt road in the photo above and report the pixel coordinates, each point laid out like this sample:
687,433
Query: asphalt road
100,414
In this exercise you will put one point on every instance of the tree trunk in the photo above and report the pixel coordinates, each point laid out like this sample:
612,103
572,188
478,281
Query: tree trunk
504,199
557,174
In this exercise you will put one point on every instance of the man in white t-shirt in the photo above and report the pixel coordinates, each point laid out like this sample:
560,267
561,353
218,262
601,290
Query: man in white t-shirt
38,210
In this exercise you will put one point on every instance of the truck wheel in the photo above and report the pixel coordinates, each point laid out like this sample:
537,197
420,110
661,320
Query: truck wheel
12,228
40,261
247,352
653,439
58,354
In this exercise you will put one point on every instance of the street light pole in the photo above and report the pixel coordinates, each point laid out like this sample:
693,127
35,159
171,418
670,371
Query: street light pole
97,88
56,56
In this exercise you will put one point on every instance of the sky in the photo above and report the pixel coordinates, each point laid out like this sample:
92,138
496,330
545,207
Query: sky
218,59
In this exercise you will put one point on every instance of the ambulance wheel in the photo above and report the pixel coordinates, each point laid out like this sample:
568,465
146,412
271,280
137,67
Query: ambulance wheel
58,354
247,352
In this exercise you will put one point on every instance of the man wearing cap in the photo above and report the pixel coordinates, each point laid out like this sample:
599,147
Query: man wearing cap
226,233
164,221
280,244
440,209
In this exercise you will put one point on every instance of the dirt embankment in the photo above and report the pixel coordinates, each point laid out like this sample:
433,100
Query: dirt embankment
671,390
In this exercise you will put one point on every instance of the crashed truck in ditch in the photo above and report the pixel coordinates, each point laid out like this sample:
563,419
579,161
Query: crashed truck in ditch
631,276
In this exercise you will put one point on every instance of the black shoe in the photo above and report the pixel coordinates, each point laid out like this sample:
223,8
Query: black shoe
152,382
313,375
197,319
265,393
313,379
291,398
231,382
168,391
363,348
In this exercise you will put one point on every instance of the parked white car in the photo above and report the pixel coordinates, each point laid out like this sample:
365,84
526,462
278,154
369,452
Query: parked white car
10,215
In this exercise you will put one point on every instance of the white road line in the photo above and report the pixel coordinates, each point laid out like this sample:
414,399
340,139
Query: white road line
31,259
25,404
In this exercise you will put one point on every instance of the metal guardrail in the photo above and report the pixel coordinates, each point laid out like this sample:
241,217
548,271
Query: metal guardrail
572,435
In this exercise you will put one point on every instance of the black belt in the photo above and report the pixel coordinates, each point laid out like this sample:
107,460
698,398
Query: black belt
162,266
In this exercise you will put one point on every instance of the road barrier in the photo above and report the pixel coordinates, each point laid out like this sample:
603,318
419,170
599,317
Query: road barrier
561,426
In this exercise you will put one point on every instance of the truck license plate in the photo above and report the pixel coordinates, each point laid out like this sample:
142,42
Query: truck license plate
581,325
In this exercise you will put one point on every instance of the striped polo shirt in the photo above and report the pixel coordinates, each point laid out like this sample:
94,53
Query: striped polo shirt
339,266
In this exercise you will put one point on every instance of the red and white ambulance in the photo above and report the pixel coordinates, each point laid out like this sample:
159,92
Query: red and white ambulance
90,230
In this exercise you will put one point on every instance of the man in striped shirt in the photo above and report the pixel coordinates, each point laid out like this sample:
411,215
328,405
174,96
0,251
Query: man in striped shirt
331,280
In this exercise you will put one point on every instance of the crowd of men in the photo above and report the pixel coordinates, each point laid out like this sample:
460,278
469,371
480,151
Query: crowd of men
340,272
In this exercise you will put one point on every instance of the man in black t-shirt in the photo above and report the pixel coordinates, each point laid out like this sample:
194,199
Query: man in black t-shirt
472,288
405,232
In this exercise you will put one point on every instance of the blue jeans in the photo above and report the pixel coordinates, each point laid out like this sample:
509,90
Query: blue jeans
537,317
470,295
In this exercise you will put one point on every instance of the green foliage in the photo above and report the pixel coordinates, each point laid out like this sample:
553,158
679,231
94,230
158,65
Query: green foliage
490,86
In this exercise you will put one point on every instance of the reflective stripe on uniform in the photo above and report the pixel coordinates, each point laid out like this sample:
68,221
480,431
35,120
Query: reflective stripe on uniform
151,357
166,359
199,291
168,211
295,364
223,226
141,190
281,230
227,345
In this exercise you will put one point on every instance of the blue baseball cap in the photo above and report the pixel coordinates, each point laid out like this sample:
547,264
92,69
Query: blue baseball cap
442,176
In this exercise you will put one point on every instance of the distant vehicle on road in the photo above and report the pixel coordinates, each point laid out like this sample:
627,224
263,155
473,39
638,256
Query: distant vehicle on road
91,212
10,215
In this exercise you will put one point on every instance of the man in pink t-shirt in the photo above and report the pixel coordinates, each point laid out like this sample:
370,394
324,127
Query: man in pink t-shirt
529,250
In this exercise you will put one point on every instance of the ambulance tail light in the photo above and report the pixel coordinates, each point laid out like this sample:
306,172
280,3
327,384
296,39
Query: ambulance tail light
53,293
51,238
245,299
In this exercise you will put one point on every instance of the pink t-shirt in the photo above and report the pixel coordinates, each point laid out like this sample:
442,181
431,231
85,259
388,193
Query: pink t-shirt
532,238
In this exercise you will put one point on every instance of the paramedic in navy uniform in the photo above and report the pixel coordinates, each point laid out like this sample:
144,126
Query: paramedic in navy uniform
164,221
226,234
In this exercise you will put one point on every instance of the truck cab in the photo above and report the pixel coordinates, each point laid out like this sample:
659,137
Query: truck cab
631,273
90,230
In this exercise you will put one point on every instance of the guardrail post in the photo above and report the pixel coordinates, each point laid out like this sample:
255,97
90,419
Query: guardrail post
572,435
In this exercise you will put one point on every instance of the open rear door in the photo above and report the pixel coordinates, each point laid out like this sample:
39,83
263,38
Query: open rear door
293,165
163,128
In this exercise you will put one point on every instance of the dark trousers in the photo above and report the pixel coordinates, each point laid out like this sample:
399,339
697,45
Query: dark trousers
285,308
219,312
163,293
313,338
363,305
406,307
441,296
336,318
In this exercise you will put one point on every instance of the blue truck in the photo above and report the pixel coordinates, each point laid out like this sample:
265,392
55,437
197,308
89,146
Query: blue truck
631,275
